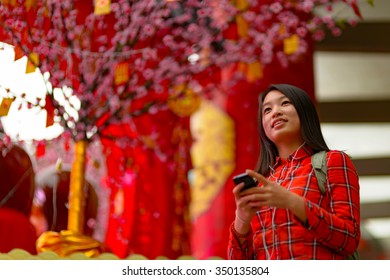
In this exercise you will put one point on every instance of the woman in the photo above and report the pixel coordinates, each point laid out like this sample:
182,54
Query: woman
286,216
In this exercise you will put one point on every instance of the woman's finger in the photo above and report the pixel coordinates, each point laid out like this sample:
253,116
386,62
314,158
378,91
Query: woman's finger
237,188
260,178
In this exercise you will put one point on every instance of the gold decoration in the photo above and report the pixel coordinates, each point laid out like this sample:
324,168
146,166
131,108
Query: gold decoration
253,71
291,44
212,153
122,73
67,242
32,63
185,101
76,191
102,7
72,241
5,106
242,4
242,26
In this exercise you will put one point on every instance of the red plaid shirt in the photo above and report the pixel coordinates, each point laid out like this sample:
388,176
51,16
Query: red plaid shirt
332,230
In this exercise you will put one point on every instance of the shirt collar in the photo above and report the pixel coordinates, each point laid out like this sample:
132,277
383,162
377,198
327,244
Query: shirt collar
302,152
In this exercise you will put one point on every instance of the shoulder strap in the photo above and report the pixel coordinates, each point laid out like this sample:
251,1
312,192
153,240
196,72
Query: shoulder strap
318,161
354,256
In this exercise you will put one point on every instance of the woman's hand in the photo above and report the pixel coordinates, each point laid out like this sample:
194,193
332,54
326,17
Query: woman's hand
244,203
272,194
269,194
244,210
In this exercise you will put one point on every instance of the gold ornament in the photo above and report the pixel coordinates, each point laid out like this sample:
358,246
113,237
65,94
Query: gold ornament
67,242
77,192
184,101
213,155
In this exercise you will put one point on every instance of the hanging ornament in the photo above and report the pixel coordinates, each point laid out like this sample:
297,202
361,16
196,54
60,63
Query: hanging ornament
122,74
32,63
50,111
184,101
5,106
102,7
253,71
18,52
291,44
242,24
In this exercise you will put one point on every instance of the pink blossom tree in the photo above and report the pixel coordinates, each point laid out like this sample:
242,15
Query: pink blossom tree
110,55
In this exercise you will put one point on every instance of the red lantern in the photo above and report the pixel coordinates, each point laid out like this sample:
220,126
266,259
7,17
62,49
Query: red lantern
17,179
16,196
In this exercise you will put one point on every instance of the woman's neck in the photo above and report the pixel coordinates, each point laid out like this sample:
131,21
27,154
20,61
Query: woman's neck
285,150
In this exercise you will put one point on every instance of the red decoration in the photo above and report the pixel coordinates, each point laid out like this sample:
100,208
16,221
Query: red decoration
17,179
40,149
50,111
16,232
154,220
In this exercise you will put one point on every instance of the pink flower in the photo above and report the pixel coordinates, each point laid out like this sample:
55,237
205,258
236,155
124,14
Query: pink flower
301,31
276,7
148,29
336,31
319,35
148,74
352,21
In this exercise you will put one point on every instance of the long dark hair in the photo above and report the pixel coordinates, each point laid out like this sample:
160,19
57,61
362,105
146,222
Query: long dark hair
310,125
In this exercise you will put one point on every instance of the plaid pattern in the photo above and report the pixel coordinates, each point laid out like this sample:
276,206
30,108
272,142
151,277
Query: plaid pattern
332,229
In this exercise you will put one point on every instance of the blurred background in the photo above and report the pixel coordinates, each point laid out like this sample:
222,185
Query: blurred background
353,90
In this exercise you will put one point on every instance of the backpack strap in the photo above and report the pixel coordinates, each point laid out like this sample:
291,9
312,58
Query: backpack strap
318,161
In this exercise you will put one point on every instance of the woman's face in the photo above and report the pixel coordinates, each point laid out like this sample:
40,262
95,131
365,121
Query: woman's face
280,119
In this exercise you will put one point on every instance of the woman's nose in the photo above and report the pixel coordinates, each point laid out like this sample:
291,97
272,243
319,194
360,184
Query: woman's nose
276,112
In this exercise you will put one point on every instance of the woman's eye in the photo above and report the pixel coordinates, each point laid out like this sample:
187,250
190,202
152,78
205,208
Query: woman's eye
266,110
286,102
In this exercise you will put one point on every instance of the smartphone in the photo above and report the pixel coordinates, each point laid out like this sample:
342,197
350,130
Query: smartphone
248,181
